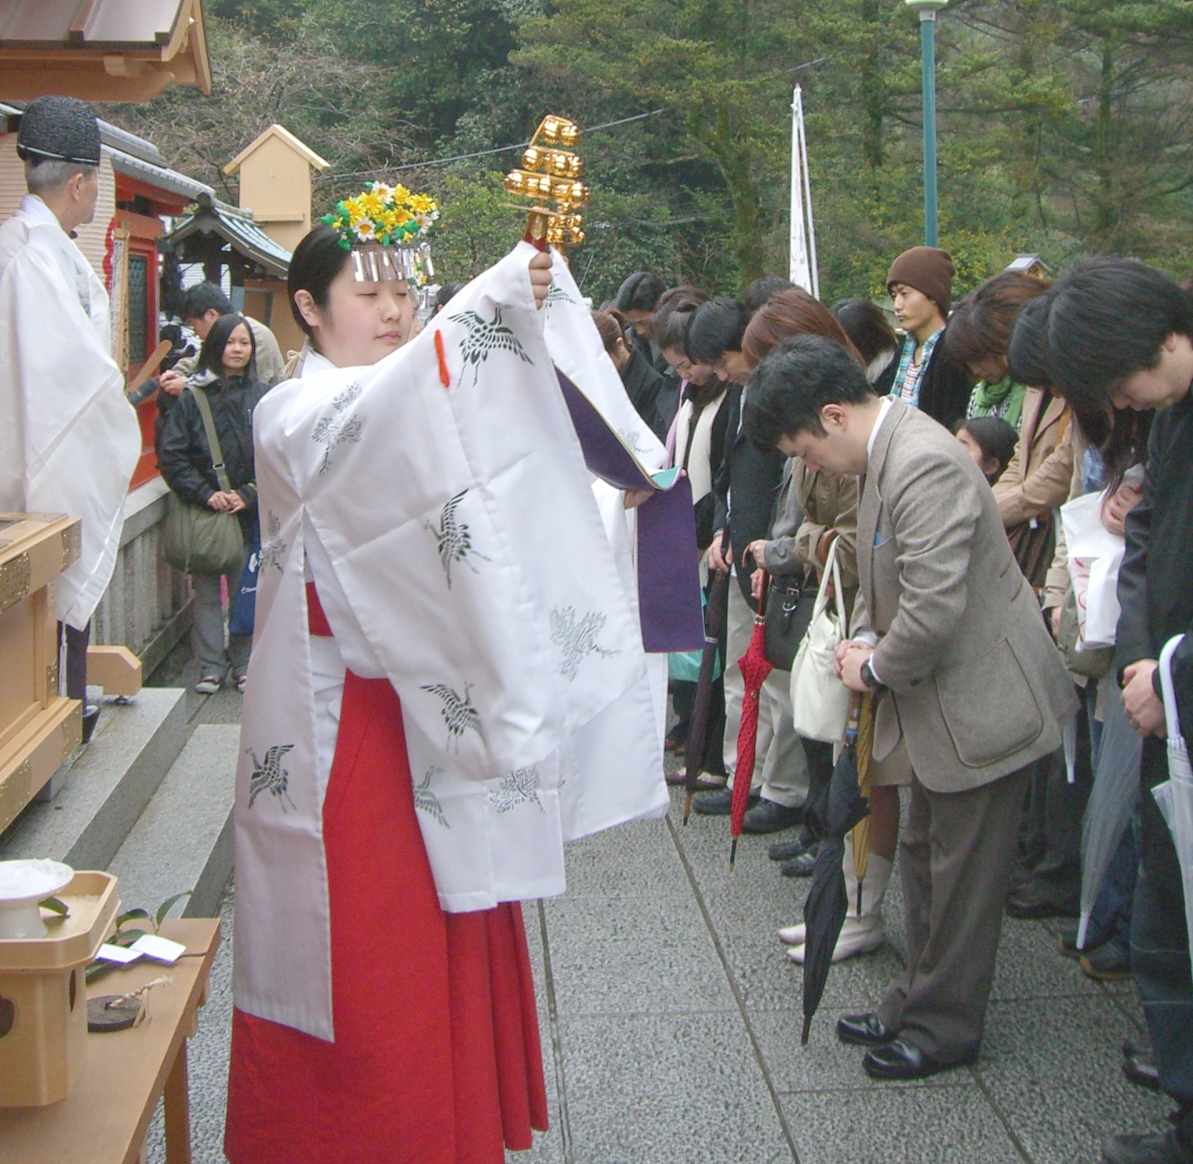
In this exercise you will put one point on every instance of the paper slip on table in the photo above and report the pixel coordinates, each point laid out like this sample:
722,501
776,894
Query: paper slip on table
106,1115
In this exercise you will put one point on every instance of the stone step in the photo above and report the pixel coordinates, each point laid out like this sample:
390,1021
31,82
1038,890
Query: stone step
183,839
102,791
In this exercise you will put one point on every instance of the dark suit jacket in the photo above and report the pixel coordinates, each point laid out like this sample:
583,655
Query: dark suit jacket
745,487
1153,582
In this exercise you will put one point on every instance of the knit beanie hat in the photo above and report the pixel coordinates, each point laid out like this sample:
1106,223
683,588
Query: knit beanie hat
927,269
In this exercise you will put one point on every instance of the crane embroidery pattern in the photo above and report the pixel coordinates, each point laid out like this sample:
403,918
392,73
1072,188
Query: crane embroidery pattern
453,539
274,549
458,711
576,637
338,426
486,336
270,776
521,786
426,801
556,295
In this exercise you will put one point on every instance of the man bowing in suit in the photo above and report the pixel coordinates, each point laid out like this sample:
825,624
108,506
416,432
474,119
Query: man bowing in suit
948,635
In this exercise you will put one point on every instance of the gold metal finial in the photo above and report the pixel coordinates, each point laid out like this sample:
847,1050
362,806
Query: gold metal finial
550,178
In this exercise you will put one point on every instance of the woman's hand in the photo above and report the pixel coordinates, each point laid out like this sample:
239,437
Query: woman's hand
540,278
757,550
756,584
1116,507
635,497
230,502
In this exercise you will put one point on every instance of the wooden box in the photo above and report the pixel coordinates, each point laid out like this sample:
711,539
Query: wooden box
43,997
38,728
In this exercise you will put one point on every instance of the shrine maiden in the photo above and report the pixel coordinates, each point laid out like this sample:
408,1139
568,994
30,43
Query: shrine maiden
438,616
69,440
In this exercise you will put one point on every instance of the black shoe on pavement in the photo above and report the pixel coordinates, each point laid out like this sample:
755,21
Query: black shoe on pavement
90,719
864,1030
1140,1070
719,803
1155,1148
1108,963
768,817
785,850
1067,942
1029,902
903,1060
802,866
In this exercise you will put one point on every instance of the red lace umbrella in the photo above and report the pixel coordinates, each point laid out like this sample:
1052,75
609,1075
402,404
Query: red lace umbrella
754,669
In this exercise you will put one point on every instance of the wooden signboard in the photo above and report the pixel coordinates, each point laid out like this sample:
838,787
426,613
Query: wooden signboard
38,728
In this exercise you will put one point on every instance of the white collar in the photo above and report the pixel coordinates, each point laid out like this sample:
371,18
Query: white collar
35,209
883,409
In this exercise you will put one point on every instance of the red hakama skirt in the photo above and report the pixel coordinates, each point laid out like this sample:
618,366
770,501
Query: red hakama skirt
436,1058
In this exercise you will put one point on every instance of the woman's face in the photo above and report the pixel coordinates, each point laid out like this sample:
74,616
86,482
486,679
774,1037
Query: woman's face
698,374
362,322
989,368
238,351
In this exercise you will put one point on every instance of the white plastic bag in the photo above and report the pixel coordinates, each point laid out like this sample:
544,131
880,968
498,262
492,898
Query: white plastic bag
819,699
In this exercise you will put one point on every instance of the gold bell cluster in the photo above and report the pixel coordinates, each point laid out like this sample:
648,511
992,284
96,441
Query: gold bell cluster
550,178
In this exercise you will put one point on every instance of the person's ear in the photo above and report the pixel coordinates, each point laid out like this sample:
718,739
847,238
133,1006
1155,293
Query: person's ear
833,416
307,308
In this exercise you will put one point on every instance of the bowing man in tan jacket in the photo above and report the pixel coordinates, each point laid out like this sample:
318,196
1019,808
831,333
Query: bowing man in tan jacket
967,682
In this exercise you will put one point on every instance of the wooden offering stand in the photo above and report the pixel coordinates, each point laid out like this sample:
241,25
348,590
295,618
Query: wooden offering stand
38,728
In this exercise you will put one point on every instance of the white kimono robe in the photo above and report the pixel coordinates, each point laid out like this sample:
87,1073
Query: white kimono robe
453,538
69,441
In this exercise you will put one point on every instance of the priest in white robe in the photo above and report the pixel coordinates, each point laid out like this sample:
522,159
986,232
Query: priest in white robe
69,440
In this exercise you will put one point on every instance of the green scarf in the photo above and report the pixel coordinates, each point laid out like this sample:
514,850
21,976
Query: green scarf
1003,399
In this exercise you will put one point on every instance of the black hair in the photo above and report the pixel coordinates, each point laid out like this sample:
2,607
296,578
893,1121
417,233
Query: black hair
316,261
867,326
445,294
1109,319
794,382
211,355
640,291
994,436
198,300
673,314
1027,353
758,292
716,327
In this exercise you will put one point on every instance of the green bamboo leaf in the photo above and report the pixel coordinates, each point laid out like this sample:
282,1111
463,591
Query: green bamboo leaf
165,907
132,915
56,906
128,937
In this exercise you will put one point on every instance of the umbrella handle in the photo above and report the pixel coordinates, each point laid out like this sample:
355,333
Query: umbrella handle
760,614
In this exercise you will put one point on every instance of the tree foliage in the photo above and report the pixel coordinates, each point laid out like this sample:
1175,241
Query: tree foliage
1065,126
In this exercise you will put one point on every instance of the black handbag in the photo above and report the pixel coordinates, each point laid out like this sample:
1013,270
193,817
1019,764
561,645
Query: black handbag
789,603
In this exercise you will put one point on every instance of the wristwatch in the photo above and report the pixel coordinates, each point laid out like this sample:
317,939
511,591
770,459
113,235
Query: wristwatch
869,678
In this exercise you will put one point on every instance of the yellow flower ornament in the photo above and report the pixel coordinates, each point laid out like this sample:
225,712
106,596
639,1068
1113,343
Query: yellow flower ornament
385,228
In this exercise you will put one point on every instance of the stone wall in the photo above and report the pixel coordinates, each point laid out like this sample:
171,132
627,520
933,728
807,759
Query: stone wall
147,605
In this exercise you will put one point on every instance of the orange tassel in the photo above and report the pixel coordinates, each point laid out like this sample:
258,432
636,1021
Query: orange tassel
444,375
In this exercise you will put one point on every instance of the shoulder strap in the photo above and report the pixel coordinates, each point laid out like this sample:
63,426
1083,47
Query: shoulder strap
213,441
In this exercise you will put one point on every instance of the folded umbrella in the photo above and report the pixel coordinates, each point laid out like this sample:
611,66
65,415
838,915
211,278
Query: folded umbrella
714,616
825,908
1111,801
1175,795
755,667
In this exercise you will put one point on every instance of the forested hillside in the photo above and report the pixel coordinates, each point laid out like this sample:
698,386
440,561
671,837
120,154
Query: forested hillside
1065,126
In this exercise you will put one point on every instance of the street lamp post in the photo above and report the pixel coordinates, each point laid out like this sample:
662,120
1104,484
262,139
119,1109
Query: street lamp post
927,10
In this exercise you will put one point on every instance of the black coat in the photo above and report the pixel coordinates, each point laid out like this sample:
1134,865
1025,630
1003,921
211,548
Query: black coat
1153,582
744,488
945,387
183,454
642,385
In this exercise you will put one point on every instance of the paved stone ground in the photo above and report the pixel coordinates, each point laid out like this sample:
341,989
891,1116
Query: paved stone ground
671,1019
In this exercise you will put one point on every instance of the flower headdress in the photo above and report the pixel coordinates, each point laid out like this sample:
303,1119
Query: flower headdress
385,228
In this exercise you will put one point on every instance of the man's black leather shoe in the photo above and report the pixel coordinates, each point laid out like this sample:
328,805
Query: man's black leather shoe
864,1030
719,803
768,817
802,866
1140,1070
1157,1148
785,850
903,1060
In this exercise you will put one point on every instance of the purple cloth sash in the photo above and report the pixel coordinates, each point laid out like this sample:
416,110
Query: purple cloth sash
668,563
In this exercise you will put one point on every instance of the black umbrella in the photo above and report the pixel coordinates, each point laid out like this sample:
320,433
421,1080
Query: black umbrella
827,903
714,616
